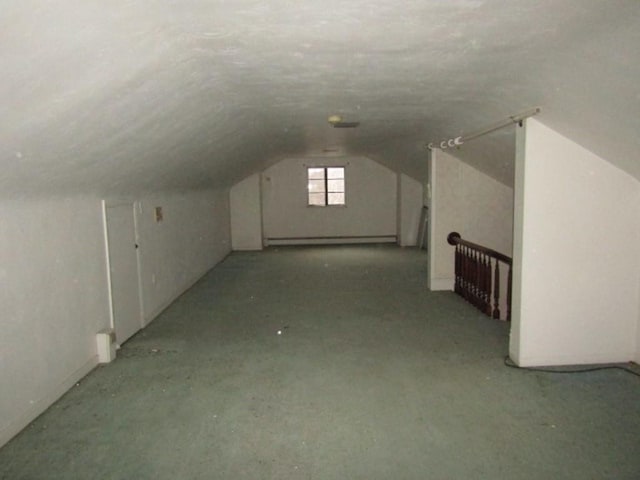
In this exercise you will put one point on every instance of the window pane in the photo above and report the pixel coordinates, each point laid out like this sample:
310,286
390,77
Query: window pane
336,186
316,199
335,172
316,173
336,199
316,186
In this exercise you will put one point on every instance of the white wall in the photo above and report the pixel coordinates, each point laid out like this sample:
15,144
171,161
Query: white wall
637,356
469,202
54,288
576,252
193,236
371,201
410,202
53,299
246,214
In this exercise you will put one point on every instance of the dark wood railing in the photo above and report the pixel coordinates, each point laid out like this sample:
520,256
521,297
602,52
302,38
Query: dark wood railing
477,270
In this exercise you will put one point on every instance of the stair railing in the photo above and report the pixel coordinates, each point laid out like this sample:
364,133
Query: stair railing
477,270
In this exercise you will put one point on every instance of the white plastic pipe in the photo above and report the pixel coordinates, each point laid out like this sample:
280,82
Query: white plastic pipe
457,141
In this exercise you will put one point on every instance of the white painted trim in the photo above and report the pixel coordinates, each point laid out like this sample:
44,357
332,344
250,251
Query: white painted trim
261,197
135,206
39,406
515,331
400,240
137,210
439,284
433,283
108,264
118,202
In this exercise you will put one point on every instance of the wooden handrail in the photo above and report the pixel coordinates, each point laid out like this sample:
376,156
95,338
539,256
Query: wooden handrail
454,238
475,281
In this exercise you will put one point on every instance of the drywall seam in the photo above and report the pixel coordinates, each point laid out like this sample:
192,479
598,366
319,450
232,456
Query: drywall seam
39,406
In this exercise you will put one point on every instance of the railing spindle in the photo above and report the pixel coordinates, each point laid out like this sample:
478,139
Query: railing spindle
486,275
476,286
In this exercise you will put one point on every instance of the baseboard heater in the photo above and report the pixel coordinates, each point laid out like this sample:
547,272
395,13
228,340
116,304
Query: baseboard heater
330,240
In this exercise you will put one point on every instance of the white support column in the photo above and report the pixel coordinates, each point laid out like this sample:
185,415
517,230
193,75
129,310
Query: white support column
576,254
410,199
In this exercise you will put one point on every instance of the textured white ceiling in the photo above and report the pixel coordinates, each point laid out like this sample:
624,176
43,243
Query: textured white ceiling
130,95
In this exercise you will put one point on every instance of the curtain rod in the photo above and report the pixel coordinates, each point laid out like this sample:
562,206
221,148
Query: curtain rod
457,141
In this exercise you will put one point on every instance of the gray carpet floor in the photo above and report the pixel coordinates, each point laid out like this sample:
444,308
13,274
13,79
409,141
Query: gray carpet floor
372,377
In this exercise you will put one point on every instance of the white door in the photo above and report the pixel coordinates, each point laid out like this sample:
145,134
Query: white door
123,268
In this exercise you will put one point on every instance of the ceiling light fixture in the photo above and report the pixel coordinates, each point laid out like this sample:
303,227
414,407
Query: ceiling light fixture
457,141
336,121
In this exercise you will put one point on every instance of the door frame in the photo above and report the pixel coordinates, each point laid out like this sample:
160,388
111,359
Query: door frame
135,208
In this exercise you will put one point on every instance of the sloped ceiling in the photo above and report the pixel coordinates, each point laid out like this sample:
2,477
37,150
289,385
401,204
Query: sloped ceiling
134,95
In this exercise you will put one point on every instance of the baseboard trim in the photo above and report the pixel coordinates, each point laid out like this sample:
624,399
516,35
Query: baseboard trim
40,406
570,360
330,240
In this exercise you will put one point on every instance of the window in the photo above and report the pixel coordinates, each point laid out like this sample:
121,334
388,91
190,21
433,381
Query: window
325,186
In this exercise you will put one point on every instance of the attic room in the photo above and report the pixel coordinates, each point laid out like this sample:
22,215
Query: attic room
223,239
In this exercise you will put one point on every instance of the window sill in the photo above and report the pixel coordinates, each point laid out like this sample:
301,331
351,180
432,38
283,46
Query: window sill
326,206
